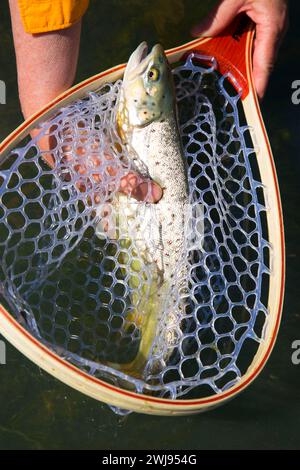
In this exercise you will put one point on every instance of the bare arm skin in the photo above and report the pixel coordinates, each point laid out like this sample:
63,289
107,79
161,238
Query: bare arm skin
271,19
46,63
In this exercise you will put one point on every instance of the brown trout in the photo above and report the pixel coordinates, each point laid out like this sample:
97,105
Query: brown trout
147,123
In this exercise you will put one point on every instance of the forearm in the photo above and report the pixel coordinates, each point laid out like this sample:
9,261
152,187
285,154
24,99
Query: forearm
46,63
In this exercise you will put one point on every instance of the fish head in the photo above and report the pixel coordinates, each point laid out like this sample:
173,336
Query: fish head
147,92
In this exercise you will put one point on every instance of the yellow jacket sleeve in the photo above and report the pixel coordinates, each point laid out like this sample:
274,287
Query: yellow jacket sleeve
40,16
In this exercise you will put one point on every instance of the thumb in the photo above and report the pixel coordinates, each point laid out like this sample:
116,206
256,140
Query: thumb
141,189
218,18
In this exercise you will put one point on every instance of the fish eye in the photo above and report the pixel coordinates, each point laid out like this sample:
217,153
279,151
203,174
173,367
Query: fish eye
153,74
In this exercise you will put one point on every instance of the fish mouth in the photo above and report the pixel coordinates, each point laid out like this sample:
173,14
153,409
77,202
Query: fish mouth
141,53
140,59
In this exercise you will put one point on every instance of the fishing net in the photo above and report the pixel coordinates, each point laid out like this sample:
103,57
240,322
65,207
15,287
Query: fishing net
71,278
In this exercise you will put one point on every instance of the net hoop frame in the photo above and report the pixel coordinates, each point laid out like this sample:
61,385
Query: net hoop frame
233,52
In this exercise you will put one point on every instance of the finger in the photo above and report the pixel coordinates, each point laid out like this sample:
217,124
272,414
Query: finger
148,191
270,30
218,18
134,185
265,50
46,143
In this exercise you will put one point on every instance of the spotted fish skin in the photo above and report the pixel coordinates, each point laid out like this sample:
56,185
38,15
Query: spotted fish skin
158,146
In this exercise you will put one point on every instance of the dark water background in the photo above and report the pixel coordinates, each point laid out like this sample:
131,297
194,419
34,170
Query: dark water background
39,412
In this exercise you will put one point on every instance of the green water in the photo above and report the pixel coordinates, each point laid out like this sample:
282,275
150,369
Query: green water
39,412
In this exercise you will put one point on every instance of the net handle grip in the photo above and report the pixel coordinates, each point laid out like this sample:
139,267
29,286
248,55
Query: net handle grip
232,51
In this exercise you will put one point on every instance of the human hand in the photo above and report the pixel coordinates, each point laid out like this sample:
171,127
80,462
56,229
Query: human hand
100,169
271,19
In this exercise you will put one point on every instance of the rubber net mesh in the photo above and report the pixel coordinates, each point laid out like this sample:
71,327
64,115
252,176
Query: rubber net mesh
74,287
